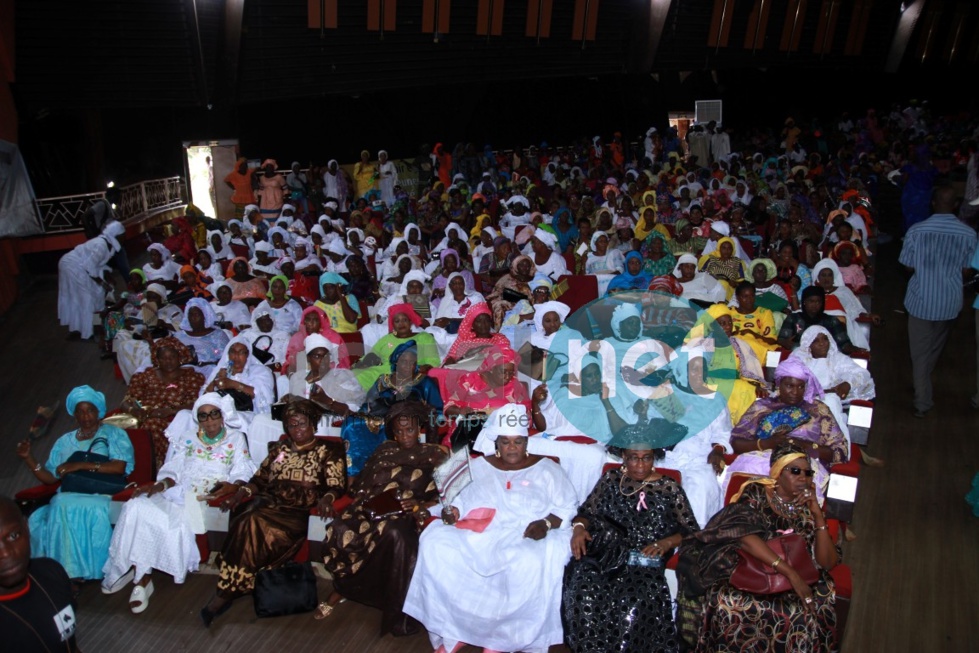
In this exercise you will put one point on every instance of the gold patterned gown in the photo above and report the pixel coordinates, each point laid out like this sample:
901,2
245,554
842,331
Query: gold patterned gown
372,561
270,529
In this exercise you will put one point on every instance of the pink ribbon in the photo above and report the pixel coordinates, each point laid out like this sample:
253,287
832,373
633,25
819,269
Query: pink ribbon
641,505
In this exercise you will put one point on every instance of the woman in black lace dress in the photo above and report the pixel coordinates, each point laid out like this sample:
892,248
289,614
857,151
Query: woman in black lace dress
615,593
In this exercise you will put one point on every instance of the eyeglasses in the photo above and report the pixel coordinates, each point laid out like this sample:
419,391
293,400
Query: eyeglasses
795,471
297,424
214,414
646,459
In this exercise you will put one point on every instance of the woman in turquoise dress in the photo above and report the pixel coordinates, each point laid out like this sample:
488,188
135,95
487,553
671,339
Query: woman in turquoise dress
74,528
363,433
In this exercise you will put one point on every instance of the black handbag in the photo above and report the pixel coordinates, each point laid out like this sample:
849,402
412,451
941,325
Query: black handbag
467,429
90,482
264,356
242,400
285,590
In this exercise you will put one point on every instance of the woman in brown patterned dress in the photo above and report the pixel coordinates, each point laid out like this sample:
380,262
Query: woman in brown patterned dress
298,474
372,559
725,618
157,394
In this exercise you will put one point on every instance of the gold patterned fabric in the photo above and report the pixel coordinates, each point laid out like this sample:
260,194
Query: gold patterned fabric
372,561
268,530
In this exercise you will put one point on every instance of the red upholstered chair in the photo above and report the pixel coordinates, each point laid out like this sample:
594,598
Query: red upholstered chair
851,467
365,316
355,345
581,290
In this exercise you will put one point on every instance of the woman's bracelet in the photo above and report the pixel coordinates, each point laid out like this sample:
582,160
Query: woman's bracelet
547,523
822,528
576,524
758,444
247,489
776,563
36,468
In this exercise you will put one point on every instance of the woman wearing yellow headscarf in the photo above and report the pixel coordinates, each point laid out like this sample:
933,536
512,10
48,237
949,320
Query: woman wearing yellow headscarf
724,265
733,367
476,232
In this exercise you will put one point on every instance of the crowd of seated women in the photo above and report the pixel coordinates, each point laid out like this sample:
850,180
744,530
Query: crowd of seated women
410,330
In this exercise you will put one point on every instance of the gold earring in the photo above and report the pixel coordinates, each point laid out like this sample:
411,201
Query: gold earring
497,453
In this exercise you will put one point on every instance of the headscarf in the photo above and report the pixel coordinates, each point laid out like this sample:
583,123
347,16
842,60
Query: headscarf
782,455
517,260
509,420
412,275
85,393
540,340
225,251
159,289
331,278
184,354
283,279
795,369
404,348
684,258
199,288
230,272
828,264
770,270
408,310
205,307
621,313
225,404
720,241
627,281
139,273
164,252
482,222
546,237
317,341
594,239
666,283
840,246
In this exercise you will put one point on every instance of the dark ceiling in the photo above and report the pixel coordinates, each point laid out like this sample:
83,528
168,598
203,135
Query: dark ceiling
147,53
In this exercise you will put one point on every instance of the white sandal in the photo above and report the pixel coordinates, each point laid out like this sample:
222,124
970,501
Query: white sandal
141,597
123,580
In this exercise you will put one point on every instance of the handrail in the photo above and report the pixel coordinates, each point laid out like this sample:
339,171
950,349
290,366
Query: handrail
63,214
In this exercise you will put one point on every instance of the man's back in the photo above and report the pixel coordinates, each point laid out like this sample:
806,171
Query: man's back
937,249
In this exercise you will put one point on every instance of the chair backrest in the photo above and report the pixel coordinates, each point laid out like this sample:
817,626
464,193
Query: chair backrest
355,345
145,462
734,485
665,471
581,290
365,316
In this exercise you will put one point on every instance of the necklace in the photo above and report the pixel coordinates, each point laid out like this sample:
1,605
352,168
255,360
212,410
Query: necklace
642,484
33,581
782,504
212,441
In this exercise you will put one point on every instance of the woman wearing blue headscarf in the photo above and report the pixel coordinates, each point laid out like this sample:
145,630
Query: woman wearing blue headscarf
633,278
565,228
74,528
365,431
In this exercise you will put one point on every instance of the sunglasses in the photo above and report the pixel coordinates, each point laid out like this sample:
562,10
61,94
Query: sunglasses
795,471
214,414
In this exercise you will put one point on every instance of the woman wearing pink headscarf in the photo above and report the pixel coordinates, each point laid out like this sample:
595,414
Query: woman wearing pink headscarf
794,415
271,189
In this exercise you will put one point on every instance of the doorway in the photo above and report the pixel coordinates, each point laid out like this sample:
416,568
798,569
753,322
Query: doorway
207,164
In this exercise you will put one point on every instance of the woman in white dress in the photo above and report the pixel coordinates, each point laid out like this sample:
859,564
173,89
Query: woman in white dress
497,585
696,285
387,178
81,289
239,371
157,527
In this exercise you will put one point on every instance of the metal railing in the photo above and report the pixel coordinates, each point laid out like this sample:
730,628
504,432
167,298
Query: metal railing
64,214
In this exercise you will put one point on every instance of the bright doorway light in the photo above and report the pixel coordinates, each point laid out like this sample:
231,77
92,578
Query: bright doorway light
201,169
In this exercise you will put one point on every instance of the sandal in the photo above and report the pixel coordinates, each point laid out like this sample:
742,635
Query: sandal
139,600
324,609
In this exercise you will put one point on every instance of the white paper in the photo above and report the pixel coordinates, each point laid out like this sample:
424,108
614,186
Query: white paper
860,416
773,358
842,488
862,362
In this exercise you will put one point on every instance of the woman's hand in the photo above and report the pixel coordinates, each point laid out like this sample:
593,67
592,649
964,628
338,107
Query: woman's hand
222,489
802,590
325,506
716,460
654,550
438,292
423,369
579,542
450,515
443,322
539,395
410,505
842,390
24,449
236,499
536,530
149,489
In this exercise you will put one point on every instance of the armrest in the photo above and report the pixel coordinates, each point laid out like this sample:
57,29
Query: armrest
38,492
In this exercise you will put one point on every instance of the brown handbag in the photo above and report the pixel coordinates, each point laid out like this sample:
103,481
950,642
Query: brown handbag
383,505
753,575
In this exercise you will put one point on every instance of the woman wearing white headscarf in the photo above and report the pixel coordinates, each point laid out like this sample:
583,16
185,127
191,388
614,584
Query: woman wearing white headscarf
228,311
842,379
549,263
81,288
239,372
264,263
267,334
335,390
696,285
199,330
335,184
161,268
157,527
387,177
852,308
218,248
498,585
306,258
